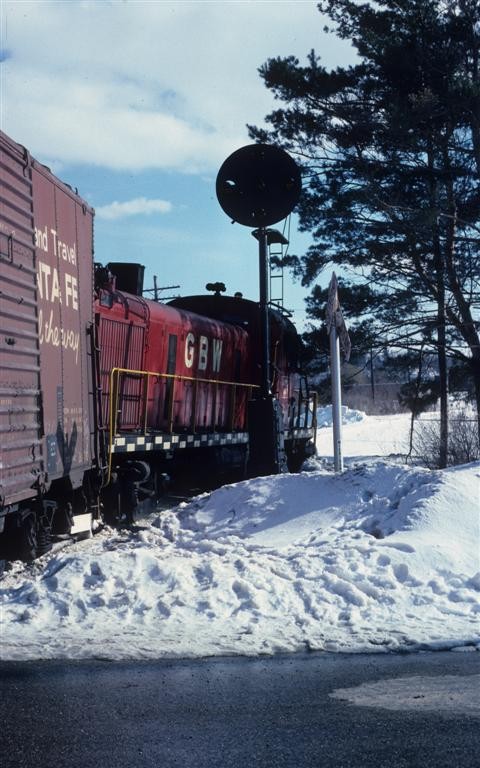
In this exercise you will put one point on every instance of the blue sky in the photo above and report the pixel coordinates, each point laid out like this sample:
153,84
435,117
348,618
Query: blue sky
137,104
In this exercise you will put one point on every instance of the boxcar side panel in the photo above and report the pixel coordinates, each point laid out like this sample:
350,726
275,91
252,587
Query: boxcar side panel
64,257
21,459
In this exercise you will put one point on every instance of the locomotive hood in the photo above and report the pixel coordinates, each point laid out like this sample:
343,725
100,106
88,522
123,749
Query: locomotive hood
246,313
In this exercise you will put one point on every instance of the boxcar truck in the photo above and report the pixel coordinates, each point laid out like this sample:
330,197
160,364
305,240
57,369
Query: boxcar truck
47,419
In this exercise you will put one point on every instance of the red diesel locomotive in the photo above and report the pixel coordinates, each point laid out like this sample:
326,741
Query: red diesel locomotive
104,393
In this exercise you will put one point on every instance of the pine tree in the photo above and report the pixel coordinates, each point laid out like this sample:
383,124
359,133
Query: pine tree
390,150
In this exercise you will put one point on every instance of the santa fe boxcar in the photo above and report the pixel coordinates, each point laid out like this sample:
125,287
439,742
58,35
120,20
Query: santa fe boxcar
46,313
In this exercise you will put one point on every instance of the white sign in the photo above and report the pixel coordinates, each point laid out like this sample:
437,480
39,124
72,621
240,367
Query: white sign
332,302
334,317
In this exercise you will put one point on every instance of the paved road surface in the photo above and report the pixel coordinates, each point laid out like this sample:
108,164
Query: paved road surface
235,713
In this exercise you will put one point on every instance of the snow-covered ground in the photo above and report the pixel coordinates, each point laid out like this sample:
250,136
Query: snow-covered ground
363,436
383,557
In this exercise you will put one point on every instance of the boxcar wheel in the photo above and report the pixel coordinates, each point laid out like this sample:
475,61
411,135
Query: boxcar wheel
44,539
63,520
27,543
111,502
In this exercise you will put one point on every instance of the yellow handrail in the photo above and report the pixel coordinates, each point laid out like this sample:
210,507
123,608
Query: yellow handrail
114,396
115,374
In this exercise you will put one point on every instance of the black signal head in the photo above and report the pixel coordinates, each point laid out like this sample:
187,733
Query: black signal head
258,185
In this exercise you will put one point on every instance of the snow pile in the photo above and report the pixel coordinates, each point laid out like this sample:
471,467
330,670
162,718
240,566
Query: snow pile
366,436
383,557
349,415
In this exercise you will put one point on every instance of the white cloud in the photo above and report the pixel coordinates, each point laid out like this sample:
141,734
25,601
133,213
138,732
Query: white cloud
105,127
137,85
136,207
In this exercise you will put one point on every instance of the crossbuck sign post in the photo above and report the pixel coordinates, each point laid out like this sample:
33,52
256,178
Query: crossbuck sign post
339,339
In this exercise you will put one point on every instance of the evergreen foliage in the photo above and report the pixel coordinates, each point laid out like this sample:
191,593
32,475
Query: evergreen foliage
390,152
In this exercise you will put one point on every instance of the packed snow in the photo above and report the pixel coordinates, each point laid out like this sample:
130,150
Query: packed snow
383,557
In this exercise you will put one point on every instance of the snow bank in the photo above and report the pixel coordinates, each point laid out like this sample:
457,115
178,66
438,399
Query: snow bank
349,415
382,557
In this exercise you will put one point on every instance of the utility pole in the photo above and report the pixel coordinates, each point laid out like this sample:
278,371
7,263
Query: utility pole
156,290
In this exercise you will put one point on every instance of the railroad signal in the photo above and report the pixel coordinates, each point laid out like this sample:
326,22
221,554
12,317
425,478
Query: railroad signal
259,185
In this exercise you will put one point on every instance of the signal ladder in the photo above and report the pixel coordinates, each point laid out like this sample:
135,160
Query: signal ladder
277,244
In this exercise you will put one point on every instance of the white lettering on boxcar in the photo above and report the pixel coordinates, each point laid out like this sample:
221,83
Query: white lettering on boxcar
63,250
48,283
71,292
52,334
60,249
56,295
41,239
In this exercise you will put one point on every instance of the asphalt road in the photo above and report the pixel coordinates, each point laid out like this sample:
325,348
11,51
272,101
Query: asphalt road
412,710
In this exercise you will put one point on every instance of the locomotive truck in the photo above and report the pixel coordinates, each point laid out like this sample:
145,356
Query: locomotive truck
104,393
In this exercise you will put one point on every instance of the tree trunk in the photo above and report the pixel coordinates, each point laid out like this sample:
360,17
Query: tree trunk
439,261
443,377
415,410
475,368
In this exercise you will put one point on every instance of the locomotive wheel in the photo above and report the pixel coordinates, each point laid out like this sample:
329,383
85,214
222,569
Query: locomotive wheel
295,460
129,503
161,483
111,512
111,517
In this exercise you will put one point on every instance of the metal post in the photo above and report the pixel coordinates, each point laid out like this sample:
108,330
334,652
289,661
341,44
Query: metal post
336,398
265,330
